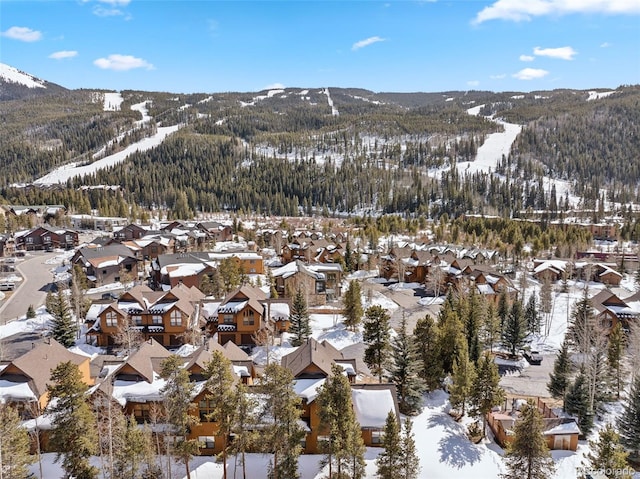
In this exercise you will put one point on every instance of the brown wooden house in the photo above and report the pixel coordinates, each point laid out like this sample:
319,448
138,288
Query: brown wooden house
45,237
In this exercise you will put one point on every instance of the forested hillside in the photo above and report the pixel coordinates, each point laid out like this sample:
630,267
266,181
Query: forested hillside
326,151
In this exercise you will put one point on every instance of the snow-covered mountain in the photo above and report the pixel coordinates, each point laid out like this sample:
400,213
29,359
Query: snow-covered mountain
16,84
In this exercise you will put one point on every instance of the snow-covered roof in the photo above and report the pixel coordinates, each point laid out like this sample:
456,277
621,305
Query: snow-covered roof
372,406
15,391
568,427
138,391
232,306
308,388
279,311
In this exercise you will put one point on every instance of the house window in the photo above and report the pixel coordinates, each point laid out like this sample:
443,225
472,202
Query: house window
141,413
111,319
376,437
156,319
47,239
137,319
248,319
205,408
208,442
30,240
67,238
228,319
176,318
320,287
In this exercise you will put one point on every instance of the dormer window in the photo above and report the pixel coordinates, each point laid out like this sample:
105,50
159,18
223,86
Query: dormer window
111,319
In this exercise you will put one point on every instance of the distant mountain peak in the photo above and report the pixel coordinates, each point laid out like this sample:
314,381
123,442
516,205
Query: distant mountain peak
13,75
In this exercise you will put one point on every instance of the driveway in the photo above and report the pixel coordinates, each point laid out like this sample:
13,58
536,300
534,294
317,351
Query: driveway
36,281
531,380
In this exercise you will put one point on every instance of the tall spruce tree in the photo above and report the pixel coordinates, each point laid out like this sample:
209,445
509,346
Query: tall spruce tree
531,315
427,342
528,457
299,328
629,420
559,379
345,447
389,461
614,357
485,390
462,378
177,394
376,337
404,371
577,403
515,329
281,435
352,302
222,398
64,328
134,443
73,434
608,455
474,311
14,445
451,337
410,466
581,327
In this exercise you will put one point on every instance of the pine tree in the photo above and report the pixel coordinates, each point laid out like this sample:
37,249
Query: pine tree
282,433
577,403
389,461
426,338
299,328
527,457
244,427
607,454
73,435
177,394
131,450
629,421
64,328
451,337
345,448
222,397
614,356
485,390
474,313
531,315
404,372
581,327
410,466
503,309
352,302
376,338
31,312
490,330
514,331
559,380
14,445
463,377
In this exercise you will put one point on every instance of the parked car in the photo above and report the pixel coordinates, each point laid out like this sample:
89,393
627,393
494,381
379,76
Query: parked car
7,286
533,357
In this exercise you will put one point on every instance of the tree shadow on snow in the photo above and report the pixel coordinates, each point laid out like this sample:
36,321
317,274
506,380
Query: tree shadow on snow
454,447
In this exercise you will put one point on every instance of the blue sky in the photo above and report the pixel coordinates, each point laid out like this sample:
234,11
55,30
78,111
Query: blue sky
215,46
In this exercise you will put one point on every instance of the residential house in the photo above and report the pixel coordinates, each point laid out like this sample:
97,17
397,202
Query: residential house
216,231
45,237
311,365
164,316
23,381
611,309
320,282
106,264
561,433
240,318
130,232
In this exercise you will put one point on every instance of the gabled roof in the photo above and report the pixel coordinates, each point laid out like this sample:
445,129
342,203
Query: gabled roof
37,363
253,297
145,360
322,355
111,250
372,403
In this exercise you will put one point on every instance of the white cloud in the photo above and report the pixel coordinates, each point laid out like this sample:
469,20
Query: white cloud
23,34
366,42
530,74
473,83
274,86
563,53
122,63
122,3
498,77
526,58
605,45
521,10
63,54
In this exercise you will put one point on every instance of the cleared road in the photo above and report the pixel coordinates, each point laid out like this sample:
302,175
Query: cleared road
36,281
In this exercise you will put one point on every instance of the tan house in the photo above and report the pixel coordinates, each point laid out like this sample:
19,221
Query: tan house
320,282
160,315
24,380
